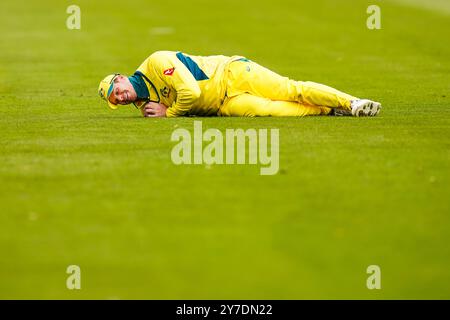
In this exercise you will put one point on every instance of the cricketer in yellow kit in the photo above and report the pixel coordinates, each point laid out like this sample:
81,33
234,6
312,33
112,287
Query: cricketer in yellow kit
176,84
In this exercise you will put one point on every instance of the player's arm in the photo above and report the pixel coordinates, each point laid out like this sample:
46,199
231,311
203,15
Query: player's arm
154,109
181,80
150,109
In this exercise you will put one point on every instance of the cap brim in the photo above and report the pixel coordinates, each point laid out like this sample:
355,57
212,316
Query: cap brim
112,106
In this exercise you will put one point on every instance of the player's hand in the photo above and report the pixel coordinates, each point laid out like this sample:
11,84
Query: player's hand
153,109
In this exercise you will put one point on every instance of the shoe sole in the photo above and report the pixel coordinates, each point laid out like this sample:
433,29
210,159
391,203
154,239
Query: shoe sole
367,109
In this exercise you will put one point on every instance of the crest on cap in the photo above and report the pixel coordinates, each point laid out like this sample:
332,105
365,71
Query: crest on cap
101,92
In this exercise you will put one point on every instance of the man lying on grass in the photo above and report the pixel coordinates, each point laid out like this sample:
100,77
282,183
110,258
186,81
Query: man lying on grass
174,84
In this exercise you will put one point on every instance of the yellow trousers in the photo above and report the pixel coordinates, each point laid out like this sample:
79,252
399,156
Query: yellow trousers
253,91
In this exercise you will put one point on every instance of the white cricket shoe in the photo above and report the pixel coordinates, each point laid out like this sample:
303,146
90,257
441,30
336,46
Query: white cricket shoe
365,108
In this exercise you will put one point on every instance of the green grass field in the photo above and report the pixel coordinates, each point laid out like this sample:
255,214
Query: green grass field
81,184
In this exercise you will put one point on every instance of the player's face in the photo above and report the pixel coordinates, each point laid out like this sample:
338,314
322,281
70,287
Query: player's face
123,91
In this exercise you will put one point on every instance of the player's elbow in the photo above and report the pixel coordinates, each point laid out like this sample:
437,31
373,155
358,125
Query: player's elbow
188,96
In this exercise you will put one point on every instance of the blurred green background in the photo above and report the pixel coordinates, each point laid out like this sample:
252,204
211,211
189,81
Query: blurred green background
83,185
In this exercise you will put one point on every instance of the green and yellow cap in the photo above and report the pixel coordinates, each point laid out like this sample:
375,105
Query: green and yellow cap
105,88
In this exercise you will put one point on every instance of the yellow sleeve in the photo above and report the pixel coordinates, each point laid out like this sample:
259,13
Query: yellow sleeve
180,79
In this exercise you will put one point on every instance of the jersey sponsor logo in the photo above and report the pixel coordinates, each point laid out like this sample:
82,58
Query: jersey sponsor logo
169,72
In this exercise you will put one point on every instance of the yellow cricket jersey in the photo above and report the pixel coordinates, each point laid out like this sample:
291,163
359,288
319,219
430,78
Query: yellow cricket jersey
188,85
